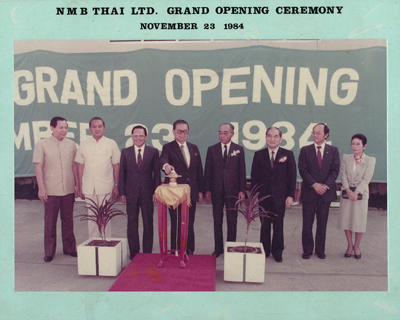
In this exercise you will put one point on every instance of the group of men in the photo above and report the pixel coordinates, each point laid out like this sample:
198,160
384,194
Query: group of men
134,174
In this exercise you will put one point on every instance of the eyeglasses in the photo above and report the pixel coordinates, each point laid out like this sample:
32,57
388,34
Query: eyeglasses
317,133
182,131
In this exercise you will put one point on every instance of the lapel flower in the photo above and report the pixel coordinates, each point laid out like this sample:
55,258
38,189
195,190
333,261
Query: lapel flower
360,161
234,153
283,159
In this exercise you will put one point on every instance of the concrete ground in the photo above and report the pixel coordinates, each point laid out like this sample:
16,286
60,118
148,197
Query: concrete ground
335,273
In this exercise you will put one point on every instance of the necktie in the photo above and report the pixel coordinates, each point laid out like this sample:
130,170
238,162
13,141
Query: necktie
319,157
272,159
184,155
139,159
225,153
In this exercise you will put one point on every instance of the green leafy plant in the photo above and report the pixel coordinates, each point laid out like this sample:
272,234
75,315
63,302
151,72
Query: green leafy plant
251,209
102,213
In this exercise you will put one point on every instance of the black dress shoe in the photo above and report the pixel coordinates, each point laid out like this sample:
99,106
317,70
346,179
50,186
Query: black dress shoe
306,255
216,254
357,256
321,255
72,254
48,258
278,259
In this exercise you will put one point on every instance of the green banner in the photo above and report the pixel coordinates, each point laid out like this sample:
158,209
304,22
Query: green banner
253,88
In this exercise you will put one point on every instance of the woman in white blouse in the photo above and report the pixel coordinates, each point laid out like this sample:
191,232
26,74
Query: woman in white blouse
356,171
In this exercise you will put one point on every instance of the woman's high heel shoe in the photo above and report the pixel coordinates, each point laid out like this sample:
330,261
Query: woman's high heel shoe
348,255
357,256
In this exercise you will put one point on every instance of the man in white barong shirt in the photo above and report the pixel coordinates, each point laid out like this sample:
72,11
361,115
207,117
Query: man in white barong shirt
98,159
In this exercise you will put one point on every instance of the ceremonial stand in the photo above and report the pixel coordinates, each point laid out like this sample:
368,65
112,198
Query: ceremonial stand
172,196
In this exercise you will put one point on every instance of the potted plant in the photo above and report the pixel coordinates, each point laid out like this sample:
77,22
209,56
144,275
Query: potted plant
245,262
99,256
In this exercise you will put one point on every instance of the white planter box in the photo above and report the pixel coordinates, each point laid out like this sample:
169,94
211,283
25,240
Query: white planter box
244,267
109,262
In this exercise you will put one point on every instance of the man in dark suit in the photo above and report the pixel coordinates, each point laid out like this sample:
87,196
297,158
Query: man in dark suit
225,176
319,165
139,176
274,170
184,158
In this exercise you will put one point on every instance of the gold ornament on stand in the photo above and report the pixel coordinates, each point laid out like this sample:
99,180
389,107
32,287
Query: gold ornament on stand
172,178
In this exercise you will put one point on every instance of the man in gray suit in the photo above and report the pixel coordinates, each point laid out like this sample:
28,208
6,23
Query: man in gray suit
139,176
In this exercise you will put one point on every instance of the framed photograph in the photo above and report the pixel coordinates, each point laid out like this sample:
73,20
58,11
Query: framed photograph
256,66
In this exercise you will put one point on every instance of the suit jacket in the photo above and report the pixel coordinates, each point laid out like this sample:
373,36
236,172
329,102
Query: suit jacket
361,177
171,153
134,183
311,173
231,176
279,182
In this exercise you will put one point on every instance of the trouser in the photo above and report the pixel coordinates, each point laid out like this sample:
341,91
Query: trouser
277,224
64,205
320,209
231,220
132,209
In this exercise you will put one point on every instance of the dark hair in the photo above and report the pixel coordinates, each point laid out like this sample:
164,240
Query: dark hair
280,132
140,127
228,124
96,118
180,121
54,121
326,129
361,137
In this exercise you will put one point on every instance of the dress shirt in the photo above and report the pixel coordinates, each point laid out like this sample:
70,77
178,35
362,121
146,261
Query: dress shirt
228,145
275,152
57,158
98,157
322,149
186,150
137,151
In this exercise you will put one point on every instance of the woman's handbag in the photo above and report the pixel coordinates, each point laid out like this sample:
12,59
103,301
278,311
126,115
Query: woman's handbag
345,196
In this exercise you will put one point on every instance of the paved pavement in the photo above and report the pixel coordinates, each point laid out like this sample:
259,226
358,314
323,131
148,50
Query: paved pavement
335,273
